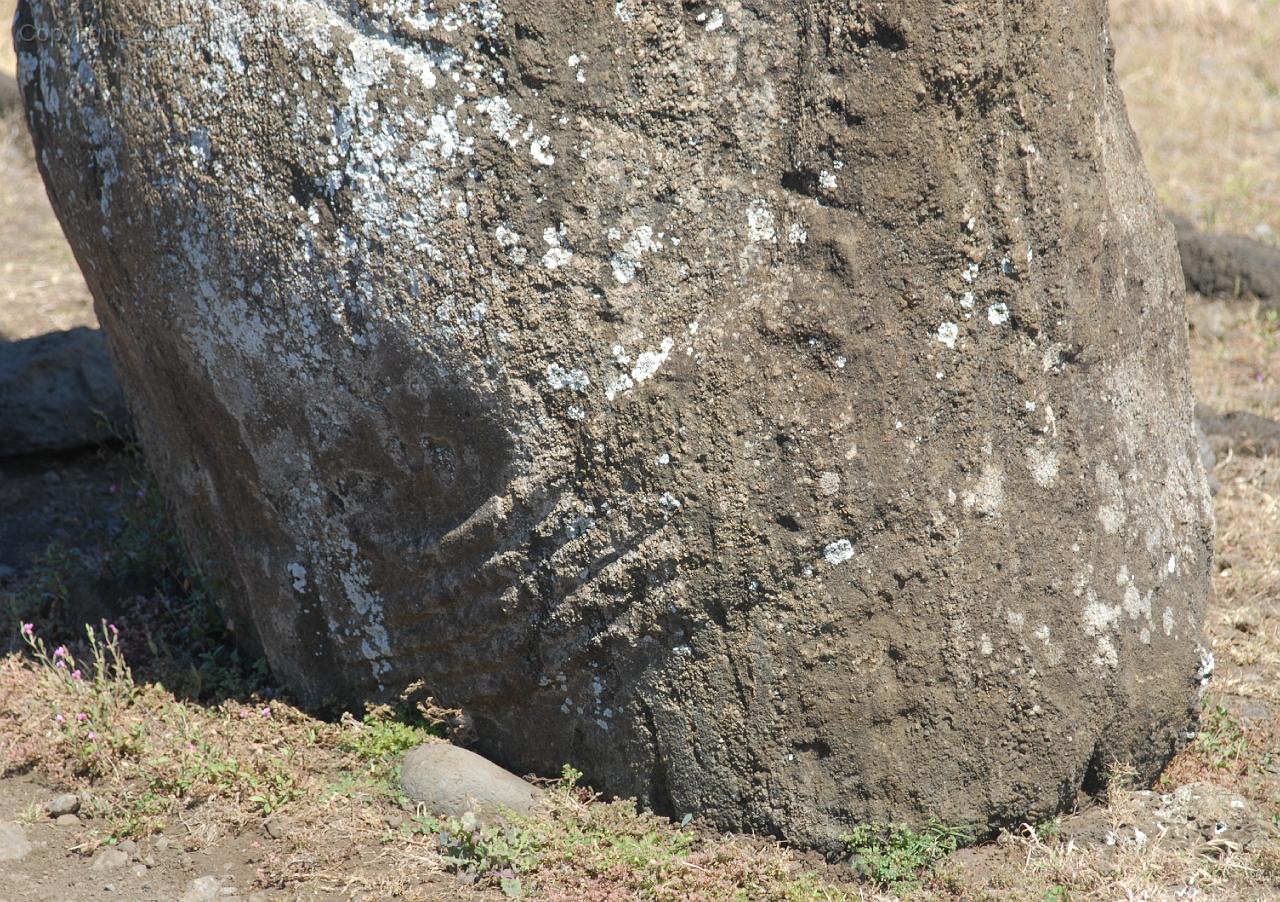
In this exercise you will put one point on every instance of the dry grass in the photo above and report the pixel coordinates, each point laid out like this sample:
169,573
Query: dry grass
1202,83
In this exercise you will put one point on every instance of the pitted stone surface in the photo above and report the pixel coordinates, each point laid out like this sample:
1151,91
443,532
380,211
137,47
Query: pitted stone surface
777,410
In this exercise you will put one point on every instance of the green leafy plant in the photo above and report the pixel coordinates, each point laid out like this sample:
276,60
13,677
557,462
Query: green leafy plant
1221,740
894,857
380,735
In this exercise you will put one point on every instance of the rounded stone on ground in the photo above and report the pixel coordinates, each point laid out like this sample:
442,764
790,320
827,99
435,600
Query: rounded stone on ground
452,781
67,820
108,860
202,889
65,803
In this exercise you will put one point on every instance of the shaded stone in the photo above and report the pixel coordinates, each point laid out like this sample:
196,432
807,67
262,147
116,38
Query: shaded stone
1229,266
1239,432
57,393
452,781
782,416
67,820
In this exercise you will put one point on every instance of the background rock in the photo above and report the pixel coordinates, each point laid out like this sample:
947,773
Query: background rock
1239,432
1228,265
780,413
10,97
58,393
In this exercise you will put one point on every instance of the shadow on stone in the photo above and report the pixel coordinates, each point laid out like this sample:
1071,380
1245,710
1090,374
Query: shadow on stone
58,392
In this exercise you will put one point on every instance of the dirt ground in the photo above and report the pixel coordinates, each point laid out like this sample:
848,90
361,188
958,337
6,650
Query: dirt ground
1202,81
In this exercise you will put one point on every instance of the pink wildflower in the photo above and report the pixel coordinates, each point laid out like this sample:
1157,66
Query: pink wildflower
75,674
81,718
266,712
93,735
60,719
112,627
60,663
28,629
60,651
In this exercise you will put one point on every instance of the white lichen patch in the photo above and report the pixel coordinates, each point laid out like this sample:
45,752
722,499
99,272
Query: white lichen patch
1111,513
838,552
510,240
562,379
298,576
1098,619
503,121
827,180
558,253
1166,621
540,150
648,363
627,260
987,495
760,223
947,334
998,314
797,234
1043,466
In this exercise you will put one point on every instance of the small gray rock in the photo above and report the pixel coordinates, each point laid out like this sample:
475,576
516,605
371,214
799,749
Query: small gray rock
14,845
451,781
67,820
108,860
202,889
279,827
139,870
66,803
128,847
394,820
162,843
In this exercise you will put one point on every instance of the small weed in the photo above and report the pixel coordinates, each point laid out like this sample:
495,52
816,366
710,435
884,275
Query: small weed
1049,831
1221,741
894,858
380,736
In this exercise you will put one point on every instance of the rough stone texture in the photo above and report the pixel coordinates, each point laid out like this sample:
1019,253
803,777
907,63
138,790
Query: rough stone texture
57,393
452,781
1230,266
777,410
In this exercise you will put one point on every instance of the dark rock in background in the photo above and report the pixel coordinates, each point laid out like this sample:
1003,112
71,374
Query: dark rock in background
58,393
1239,432
1228,265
